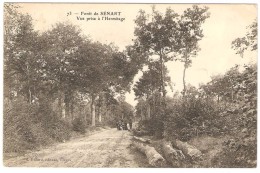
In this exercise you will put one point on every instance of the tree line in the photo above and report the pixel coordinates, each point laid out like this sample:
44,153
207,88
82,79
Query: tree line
162,38
62,65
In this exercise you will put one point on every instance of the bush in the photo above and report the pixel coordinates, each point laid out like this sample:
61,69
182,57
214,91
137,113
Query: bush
17,132
54,126
79,125
153,126
237,152
241,150
192,116
28,126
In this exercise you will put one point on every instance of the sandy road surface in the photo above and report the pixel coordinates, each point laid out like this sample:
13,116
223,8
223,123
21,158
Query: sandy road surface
109,148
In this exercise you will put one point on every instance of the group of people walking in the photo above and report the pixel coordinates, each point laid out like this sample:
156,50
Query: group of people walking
123,124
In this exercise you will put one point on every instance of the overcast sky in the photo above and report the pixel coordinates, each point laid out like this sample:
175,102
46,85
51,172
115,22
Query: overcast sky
226,23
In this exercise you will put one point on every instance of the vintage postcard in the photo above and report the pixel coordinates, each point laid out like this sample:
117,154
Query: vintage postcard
94,85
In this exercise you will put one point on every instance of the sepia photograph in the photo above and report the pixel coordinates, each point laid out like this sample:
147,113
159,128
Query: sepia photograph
128,85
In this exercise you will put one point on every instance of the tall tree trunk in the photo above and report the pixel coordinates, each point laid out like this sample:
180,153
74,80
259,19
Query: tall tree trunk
232,93
163,91
93,111
184,73
29,85
148,107
60,103
99,114
85,110
142,113
8,89
30,95
162,117
106,113
67,105
72,111
154,106
184,82
148,111
63,109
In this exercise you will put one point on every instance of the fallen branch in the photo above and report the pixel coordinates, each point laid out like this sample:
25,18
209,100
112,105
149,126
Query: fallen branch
154,158
148,141
173,156
188,150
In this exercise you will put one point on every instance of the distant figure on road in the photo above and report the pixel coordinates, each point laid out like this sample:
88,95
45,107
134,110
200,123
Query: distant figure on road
119,125
125,126
130,123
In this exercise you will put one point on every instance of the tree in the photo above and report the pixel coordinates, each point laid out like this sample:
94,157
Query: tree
102,69
140,111
190,33
247,42
20,53
168,35
156,37
223,85
149,84
59,46
92,79
123,68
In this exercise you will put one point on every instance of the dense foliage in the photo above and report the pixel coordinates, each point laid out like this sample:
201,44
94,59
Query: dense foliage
59,80
30,126
224,108
162,38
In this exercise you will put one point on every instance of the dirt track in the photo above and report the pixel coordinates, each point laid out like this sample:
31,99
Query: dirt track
109,148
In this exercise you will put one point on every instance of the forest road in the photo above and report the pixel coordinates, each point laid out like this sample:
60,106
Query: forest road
108,148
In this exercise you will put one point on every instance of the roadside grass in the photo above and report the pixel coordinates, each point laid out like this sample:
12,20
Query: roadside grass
210,147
